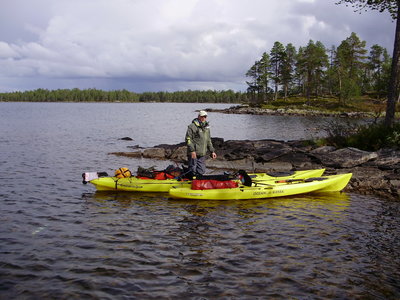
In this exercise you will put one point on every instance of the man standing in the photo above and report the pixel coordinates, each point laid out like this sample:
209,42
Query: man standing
198,141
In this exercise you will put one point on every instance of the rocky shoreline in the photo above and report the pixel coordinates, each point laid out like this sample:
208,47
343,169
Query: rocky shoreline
245,109
374,173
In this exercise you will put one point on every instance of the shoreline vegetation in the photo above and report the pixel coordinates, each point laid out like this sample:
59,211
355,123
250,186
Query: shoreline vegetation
95,95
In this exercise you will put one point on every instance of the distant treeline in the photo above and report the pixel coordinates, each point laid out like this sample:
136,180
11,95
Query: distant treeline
94,95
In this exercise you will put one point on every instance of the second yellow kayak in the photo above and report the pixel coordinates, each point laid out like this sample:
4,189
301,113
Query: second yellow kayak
330,183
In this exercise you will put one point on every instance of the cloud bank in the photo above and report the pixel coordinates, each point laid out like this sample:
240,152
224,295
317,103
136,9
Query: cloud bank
163,45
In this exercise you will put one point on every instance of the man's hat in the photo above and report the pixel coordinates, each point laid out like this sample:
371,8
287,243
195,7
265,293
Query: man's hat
202,113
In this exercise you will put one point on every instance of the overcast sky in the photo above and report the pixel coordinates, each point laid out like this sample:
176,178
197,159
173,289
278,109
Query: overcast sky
163,45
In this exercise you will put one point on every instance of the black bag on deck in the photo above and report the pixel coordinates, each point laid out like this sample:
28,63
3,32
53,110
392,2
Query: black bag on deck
174,171
143,172
245,178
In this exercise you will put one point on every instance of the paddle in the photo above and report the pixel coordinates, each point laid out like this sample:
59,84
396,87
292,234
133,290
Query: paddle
271,186
289,180
294,180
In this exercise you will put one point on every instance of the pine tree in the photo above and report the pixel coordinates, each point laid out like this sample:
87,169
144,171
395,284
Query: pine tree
312,62
276,63
288,67
350,60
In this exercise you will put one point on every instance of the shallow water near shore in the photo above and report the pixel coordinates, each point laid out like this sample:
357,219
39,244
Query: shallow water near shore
61,239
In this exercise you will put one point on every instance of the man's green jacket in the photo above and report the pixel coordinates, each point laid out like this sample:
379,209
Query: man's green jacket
198,138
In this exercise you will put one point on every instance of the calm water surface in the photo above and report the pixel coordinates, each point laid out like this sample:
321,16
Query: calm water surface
60,239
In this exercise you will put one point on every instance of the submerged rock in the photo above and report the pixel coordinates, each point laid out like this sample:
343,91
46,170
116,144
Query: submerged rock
127,138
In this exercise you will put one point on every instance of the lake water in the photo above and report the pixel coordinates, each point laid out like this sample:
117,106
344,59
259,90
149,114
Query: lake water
59,239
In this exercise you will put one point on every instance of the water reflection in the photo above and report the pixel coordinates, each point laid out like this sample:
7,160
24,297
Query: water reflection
337,201
217,248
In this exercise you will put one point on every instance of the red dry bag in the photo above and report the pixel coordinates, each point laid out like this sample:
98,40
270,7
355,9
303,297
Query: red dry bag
199,184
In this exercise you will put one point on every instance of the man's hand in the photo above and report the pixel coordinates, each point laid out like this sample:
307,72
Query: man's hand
214,155
194,156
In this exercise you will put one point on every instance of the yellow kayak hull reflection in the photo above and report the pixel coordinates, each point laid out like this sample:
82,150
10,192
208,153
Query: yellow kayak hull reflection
332,183
135,184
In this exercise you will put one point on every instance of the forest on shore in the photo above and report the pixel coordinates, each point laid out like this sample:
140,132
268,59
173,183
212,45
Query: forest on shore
95,95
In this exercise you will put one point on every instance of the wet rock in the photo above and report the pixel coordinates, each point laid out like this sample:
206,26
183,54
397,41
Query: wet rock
217,142
387,157
298,160
323,150
127,138
156,153
249,164
133,154
178,154
345,158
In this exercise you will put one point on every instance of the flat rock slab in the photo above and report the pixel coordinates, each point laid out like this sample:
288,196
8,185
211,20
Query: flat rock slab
345,158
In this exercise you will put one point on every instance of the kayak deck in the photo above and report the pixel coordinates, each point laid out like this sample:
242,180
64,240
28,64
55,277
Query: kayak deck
291,175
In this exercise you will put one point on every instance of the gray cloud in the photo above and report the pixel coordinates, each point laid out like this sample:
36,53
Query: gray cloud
152,45
333,24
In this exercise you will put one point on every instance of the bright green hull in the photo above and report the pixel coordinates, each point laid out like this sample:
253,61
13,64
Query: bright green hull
134,184
267,190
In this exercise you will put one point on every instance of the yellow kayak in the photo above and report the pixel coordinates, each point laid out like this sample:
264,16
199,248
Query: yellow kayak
266,189
136,184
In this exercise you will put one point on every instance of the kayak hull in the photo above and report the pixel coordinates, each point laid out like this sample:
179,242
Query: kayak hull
135,184
259,191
